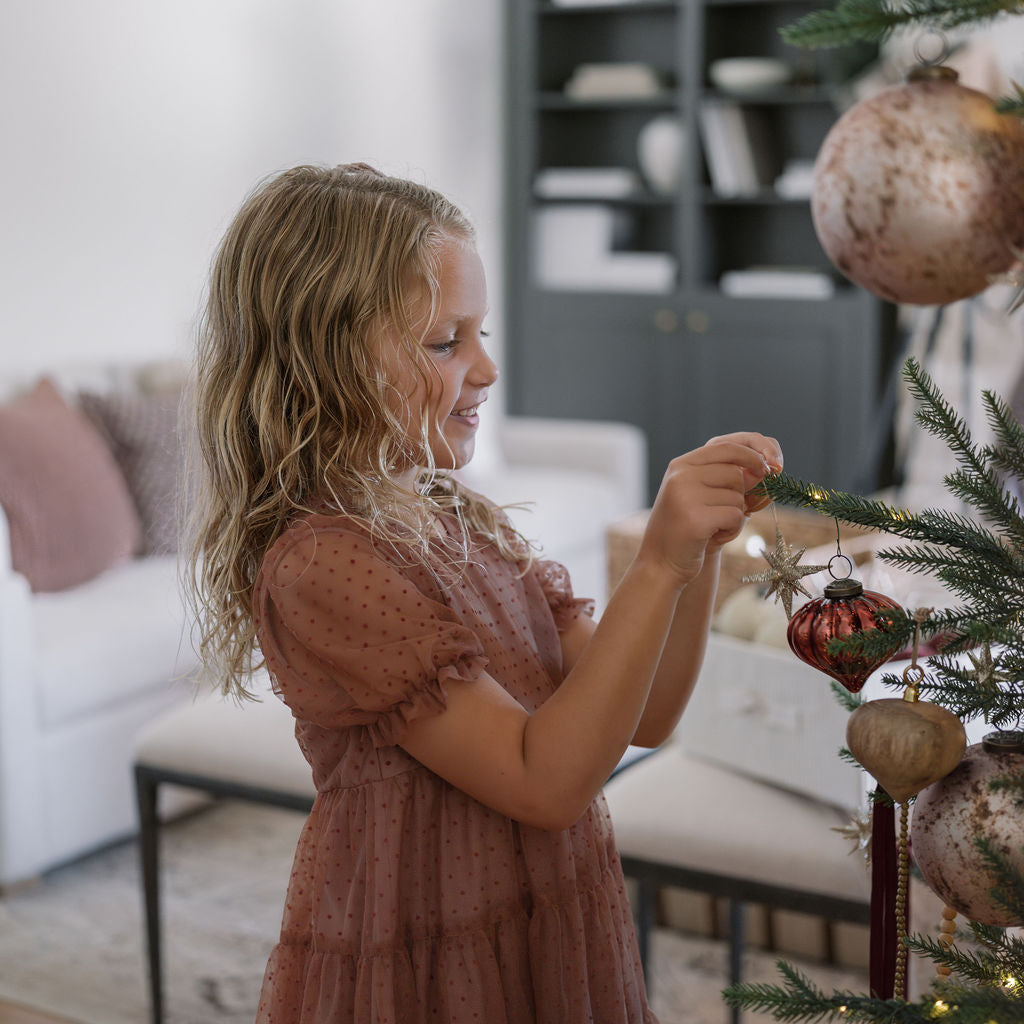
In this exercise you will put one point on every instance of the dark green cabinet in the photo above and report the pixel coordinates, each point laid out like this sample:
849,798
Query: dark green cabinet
684,360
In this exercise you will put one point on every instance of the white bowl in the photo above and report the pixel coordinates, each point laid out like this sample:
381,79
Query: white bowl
748,74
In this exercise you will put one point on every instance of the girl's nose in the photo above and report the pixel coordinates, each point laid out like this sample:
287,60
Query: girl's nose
485,369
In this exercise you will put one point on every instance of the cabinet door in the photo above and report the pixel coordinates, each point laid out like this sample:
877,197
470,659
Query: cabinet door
805,373
584,356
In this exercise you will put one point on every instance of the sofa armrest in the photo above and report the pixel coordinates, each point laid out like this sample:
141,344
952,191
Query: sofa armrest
616,450
21,821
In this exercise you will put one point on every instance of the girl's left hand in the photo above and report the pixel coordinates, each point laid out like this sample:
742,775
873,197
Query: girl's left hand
771,455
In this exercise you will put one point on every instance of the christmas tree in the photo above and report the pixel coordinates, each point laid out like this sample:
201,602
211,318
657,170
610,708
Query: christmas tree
979,559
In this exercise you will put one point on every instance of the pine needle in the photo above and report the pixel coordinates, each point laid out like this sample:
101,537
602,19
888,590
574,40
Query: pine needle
874,21
846,700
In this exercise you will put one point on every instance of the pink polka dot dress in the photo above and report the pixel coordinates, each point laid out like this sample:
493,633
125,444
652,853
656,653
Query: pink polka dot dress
409,901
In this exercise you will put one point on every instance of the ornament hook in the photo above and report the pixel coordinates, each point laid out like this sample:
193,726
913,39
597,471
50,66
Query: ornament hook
839,555
913,674
940,39
849,567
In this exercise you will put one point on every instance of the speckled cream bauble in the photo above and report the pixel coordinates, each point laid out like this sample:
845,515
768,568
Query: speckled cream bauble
919,190
740,613
906,745
951,813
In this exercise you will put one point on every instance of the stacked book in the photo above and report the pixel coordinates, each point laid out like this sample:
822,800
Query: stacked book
575,252
736,148
777,283
586,183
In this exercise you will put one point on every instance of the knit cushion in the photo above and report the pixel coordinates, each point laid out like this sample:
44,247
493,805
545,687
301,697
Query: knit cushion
68,507
142,431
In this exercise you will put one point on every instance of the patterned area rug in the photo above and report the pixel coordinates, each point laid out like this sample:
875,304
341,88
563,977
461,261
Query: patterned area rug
72,944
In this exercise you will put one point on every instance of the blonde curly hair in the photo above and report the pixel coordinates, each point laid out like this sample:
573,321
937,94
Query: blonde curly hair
291,410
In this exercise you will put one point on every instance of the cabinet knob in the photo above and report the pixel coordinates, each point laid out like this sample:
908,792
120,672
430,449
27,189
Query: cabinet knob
698,321
666,320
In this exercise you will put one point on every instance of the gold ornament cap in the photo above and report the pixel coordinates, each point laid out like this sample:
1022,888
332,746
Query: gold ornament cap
932,73
844,588
1003,741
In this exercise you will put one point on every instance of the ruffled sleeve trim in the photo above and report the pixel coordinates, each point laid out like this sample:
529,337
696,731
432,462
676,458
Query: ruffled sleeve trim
430,698
557,587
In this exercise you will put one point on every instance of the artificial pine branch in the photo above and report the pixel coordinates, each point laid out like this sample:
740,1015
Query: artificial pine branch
986,967
1007,455
937,416
985,492
1008,946
1012,104
875,20
935,525
799,1000
1009,888
846,755
951,687
846,700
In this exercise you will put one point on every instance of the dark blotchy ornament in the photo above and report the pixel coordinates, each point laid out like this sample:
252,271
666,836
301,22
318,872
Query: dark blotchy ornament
919,190
846,608
951,813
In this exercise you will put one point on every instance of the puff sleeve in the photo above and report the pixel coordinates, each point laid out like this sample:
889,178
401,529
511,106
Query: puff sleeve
350,639
557,588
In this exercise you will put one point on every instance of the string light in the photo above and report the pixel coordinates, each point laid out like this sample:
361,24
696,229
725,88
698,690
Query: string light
940,1006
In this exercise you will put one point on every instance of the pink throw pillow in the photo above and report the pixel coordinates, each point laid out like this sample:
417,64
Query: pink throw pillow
67,504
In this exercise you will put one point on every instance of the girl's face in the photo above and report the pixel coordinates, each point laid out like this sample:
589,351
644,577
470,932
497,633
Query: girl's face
460,369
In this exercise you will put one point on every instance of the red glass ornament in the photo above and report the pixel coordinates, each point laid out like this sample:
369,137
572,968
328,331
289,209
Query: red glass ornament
845,608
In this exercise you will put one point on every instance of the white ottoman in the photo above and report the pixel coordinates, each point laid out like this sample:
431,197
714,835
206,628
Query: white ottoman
218,747
680,821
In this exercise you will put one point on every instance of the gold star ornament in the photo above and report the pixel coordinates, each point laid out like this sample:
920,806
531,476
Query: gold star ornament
858,831
986,671
784,574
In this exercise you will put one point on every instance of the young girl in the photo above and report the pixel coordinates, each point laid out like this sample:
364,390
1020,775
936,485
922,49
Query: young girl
458,705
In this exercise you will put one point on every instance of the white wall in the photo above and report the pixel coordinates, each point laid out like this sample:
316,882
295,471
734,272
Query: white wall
132,129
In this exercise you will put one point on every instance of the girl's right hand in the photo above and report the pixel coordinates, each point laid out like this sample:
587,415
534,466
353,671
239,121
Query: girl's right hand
702,501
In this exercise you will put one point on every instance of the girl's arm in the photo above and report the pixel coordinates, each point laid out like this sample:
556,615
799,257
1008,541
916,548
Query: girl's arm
683,654
545,768
681,658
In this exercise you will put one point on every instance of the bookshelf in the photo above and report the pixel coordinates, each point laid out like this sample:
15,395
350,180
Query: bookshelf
662,306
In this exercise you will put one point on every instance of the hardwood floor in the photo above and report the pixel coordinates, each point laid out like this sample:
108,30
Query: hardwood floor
11,1014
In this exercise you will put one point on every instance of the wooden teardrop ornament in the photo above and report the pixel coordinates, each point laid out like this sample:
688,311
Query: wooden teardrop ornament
905,745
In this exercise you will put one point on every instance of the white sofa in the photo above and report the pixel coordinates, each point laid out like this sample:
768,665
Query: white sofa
84,669
81,670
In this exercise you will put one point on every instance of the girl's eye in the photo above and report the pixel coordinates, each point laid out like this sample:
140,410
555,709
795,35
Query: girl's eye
449,344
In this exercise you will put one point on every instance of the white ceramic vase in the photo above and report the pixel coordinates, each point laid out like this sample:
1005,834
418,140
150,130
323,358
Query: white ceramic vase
660,153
